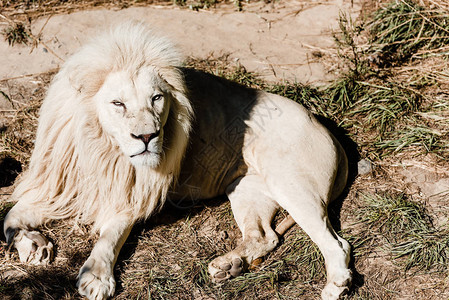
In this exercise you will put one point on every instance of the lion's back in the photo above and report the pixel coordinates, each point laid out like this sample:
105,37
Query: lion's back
239,130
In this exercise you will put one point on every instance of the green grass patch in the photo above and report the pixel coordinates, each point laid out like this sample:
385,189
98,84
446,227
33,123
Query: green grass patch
401,229
423,250
424,139
381,106
403,30
311,97
392,215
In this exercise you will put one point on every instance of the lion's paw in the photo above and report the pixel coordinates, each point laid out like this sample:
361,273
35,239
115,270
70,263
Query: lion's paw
95,280
337,286
224,267
33,247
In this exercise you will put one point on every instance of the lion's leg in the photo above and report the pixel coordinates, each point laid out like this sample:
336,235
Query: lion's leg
310,212
96,278
253,212
18,227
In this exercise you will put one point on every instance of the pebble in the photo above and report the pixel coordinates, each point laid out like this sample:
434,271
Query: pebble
364,166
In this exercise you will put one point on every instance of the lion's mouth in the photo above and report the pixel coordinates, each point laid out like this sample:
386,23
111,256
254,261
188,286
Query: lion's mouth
144,152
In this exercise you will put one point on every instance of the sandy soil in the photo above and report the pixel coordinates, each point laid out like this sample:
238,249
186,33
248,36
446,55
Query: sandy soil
288,40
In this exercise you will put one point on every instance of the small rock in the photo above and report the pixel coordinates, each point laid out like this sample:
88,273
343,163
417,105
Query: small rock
364,166
317,54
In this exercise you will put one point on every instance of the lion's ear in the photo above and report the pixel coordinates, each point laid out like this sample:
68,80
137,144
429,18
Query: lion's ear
184,110
174,77
86,80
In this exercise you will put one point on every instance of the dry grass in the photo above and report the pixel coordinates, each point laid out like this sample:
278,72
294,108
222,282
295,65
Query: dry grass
386,96
17,33
16,140
25,10
382,109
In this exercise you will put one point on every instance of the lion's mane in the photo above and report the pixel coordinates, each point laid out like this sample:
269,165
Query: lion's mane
76,169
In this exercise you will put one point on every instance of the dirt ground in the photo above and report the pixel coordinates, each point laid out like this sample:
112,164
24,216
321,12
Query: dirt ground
280,41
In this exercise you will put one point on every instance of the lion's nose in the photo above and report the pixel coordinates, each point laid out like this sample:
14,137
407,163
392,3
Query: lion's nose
145,138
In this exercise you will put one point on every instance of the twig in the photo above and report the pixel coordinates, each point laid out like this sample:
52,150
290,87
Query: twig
281,228
36,40
29,75
285,224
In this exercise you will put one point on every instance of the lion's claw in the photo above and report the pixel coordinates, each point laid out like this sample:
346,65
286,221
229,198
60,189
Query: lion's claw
10,234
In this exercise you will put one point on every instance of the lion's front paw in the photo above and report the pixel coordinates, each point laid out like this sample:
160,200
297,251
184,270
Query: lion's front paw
33,247
225,267
95,280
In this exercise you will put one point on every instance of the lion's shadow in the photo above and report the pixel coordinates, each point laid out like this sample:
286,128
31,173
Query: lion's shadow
50,282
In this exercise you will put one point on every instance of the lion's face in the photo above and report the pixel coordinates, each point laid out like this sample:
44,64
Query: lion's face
133,109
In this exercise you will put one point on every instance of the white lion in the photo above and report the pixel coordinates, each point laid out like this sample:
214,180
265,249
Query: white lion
124,127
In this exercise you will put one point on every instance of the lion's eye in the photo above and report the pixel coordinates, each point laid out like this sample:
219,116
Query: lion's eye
118,103
156,97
